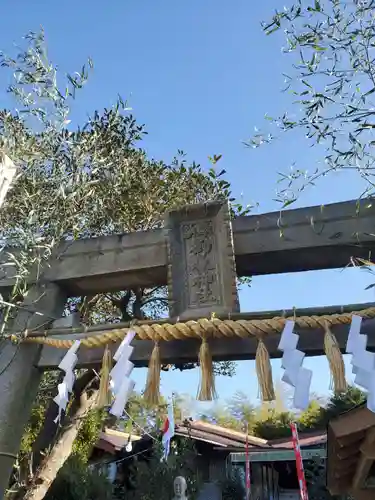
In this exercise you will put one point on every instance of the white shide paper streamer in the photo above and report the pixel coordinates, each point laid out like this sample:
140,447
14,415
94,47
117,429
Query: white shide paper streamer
295,374
67,365
363,361
120,383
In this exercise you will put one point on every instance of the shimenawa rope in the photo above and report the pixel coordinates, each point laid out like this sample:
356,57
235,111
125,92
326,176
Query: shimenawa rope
217,328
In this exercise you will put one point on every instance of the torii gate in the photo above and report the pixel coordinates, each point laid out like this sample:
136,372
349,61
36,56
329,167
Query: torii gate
198,255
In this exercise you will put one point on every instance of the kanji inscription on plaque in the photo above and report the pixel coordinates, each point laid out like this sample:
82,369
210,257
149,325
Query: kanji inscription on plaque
201,271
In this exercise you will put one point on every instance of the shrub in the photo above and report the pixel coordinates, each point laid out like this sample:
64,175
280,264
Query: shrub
76,481
232,488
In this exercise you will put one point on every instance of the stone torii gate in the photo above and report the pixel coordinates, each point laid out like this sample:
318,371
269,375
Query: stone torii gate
198,254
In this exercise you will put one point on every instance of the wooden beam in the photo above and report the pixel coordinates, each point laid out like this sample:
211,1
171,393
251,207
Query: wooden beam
333,484
340,486
360,494
368,450
347,451
339,476
363,468
352,422
351,439
228,349
344,467
365,461
296,240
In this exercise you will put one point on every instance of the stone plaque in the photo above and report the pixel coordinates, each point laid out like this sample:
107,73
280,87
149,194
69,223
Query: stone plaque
201,267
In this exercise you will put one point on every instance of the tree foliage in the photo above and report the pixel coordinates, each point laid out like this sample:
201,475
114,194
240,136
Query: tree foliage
331,44
267,422
271,421
273,424
47,388
78,482
78,181
96,179
232,487
341,403
85,181
153,478
88,434
237,413
315,473
316,478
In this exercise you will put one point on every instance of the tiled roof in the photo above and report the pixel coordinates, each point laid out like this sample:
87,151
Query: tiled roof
220,437
228,438
217,435
112,441
305,440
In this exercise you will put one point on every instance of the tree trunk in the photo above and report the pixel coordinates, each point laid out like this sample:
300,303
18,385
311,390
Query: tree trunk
19,380
61,451
48,433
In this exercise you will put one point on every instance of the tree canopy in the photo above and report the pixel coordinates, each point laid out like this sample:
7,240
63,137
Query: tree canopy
332,78
92,179
95,178
272,420
77,181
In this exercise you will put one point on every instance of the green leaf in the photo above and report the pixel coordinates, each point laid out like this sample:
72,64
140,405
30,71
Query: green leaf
288,202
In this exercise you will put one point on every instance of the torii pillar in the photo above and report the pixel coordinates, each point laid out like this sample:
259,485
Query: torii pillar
19,377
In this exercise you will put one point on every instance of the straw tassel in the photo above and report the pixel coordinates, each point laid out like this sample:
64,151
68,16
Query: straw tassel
336,361
207,391
264,372
152,391
104,394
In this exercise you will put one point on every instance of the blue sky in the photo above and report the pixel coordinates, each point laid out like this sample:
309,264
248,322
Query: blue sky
201,76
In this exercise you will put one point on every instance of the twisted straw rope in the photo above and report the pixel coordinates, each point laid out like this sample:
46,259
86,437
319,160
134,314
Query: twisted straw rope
212,327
